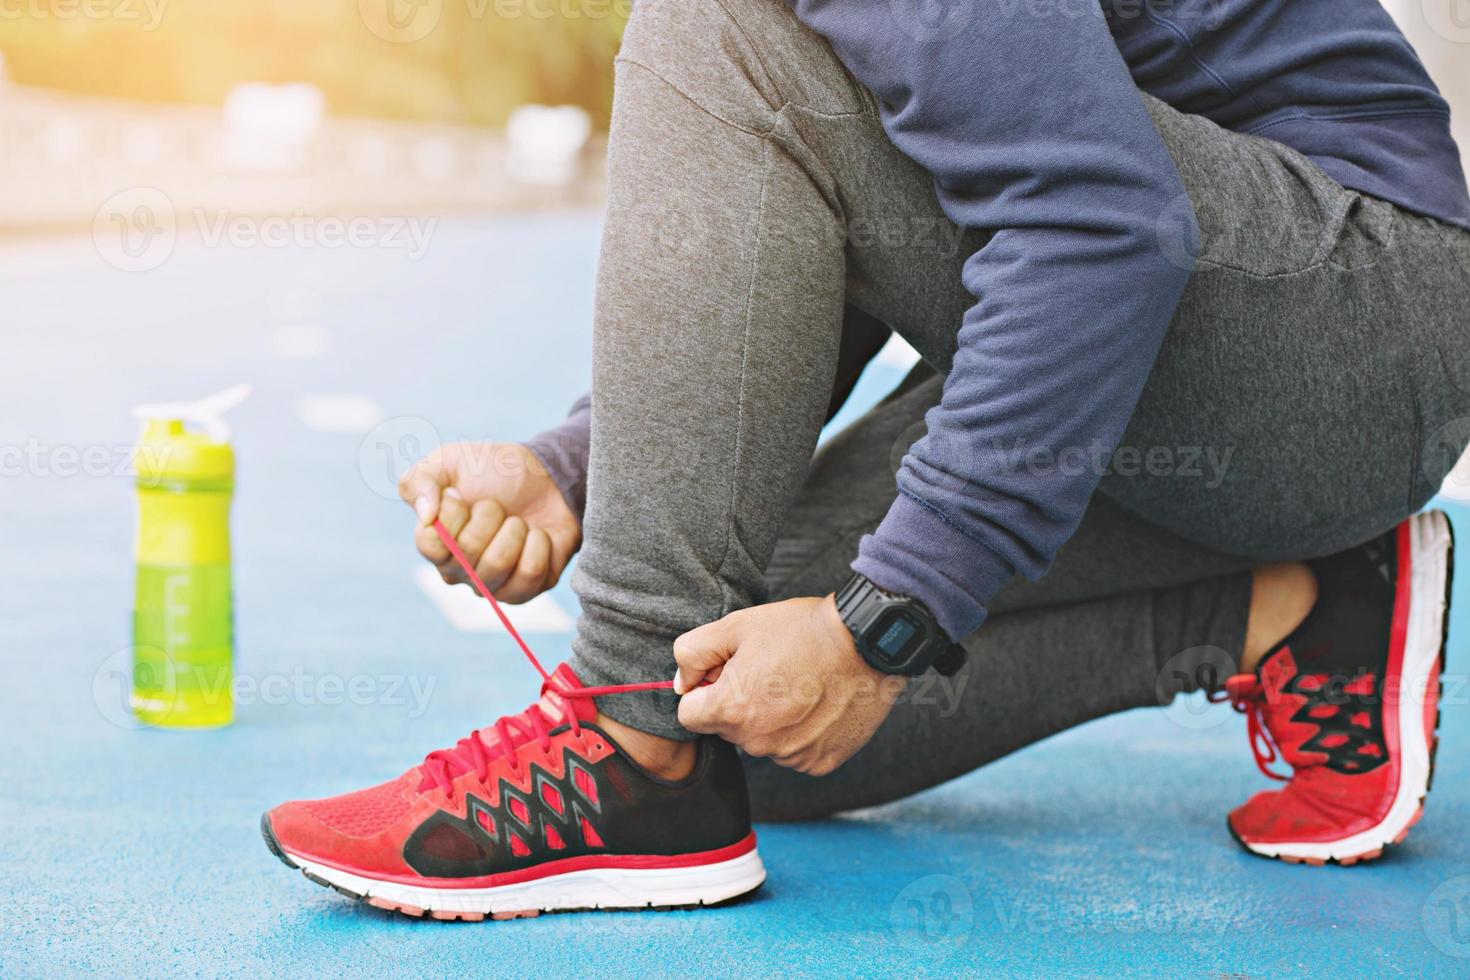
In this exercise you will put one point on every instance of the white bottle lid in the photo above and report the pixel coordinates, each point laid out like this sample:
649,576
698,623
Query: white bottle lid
207,412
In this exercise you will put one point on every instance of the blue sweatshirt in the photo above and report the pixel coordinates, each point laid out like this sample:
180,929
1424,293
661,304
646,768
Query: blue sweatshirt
1028,114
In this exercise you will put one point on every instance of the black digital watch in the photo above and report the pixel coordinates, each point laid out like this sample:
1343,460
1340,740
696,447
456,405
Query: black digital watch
896,634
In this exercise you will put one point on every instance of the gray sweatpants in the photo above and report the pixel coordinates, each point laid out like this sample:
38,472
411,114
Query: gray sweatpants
756,206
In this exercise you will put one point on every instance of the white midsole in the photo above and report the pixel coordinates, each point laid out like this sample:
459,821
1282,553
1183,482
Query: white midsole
593,888
1429,541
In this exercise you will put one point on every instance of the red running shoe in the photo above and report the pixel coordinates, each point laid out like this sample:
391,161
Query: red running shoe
542,811
1350,700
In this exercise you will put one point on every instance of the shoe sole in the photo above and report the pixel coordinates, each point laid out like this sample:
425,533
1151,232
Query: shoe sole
1431,569
607,889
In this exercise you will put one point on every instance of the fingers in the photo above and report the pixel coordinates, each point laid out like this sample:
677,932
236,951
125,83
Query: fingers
485,520
422,487
701,655
702,711
701,650
454,514
502,555
532,570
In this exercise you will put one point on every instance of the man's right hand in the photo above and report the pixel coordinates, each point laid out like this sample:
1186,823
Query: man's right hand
502,508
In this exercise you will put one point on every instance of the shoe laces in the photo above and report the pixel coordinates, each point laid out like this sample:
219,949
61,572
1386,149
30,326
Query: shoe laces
442,766
474,754
1246,695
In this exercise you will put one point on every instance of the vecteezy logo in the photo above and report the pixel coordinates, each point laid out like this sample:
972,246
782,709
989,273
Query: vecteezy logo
904,443
1178,233
135,230
1197,669
115,677
1450,19
400,21
391,448
1446,917
932,20
1444,461
936,910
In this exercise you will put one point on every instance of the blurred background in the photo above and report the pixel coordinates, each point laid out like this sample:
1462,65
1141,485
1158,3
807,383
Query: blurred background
346,106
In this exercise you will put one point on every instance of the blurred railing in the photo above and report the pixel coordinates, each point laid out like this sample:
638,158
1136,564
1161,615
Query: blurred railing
63,157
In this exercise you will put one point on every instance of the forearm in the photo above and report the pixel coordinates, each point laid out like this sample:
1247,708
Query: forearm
1034,132
564,450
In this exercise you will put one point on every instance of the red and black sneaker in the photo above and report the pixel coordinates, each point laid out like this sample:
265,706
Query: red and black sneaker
1350,700
542,811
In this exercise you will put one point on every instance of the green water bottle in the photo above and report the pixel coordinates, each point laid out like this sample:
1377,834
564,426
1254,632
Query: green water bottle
183,620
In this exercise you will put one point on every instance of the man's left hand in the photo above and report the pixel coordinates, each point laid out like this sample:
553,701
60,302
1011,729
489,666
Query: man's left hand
786,682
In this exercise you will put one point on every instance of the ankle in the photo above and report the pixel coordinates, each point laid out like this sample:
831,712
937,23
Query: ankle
666,758
1282,594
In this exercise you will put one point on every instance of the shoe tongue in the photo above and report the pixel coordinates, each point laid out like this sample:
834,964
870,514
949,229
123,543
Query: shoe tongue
554,710
555,707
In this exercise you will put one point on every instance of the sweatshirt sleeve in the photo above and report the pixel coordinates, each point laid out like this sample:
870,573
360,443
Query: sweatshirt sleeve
1027,118
563,451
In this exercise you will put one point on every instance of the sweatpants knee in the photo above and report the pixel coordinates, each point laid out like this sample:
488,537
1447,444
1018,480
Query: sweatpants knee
740,60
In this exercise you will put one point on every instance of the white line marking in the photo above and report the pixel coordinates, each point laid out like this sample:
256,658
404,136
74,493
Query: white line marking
897,353
338,413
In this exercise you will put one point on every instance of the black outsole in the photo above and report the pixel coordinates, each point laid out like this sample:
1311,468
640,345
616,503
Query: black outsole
274,847
1444,640
271,843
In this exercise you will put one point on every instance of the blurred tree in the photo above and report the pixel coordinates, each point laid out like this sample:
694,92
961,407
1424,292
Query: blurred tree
480,60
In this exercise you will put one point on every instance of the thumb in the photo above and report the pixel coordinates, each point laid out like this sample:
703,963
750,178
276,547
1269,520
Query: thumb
422,486
705,649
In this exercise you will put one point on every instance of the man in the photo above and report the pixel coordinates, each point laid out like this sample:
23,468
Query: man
1124,240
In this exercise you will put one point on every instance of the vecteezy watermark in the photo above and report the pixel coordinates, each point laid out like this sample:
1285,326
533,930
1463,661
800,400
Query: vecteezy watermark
932,690
407,21
1206,463
409,235
400,21
933,20
1199,670
114,681
1443,459
147,14
1446,917
390,448
66,461
1040,914
101,921
1189,688
136,230
933,912
963,458
1450,19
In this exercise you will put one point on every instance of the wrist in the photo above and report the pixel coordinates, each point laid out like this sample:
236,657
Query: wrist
843,638
895,634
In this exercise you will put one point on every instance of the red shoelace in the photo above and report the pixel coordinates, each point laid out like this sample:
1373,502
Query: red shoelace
442,766
1245,694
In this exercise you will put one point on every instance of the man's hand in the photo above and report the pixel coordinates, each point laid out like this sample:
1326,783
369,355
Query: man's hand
501,507
786,682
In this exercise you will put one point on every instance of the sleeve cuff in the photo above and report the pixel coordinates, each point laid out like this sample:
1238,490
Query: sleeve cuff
564,451
918,553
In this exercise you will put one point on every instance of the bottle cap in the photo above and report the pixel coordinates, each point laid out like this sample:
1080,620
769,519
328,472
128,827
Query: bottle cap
169,450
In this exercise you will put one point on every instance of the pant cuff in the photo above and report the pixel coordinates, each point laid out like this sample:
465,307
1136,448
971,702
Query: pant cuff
655,712
1199,633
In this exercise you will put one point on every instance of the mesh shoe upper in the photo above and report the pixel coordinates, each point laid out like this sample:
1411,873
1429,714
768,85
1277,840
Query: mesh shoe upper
367,811
533,789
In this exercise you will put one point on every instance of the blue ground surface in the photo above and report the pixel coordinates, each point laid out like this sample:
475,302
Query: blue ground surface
1100,852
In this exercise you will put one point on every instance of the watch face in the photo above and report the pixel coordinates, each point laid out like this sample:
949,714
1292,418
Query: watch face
897,636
